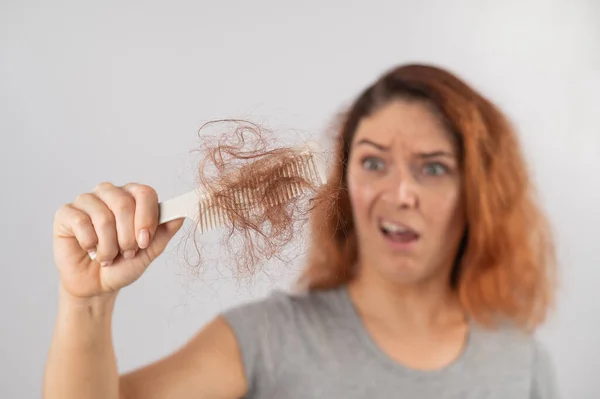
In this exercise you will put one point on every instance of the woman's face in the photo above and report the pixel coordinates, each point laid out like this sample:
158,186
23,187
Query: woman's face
405,189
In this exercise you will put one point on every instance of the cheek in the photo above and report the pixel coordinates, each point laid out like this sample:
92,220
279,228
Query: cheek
445,210
361,196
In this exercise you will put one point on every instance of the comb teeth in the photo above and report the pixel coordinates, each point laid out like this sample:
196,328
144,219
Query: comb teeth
247,200
210,212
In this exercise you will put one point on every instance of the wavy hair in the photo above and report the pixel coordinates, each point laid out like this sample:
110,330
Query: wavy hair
505,266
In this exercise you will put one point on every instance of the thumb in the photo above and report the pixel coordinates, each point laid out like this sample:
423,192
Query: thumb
162,236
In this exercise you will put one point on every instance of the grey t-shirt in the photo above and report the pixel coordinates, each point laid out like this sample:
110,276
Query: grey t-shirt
314,345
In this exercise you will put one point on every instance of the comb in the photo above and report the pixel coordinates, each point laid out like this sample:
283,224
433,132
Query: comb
202,207
205,209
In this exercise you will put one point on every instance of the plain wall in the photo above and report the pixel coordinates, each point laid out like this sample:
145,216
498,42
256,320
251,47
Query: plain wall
116,91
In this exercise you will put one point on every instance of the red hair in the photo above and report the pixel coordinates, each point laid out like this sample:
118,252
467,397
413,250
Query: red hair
504,267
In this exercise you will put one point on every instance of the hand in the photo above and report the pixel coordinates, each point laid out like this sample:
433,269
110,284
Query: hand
121,225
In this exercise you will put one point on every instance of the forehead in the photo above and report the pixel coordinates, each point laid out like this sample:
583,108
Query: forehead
407,123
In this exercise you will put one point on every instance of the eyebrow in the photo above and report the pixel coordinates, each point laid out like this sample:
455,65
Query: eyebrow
374,144
425,155
435,154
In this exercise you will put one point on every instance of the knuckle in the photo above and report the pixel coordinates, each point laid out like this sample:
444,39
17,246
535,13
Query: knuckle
124,203
61,211
142,190
147,191
82,198
81,220
103,186
105,219
88,243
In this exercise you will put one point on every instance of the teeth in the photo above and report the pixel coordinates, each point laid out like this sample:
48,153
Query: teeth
393,227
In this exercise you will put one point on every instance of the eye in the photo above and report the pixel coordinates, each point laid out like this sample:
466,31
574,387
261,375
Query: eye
435,169
372,163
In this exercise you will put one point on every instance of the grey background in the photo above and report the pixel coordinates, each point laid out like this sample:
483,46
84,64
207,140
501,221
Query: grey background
116,90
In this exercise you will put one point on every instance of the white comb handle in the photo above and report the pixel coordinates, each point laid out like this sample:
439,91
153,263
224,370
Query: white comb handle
182,206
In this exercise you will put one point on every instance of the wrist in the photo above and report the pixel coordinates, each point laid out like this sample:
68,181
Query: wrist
95,305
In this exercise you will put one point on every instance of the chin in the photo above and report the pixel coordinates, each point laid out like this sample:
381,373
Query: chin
404,272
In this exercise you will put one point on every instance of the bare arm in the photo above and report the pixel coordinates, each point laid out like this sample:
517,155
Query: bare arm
208,366
81,363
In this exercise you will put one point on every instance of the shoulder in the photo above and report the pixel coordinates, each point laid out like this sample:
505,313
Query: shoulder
270,328
524,353
508,336
281,308
544,378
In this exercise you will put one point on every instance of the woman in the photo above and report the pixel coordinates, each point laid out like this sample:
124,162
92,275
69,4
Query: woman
426,281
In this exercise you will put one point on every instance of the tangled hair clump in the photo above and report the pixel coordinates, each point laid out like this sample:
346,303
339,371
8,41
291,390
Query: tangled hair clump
260,190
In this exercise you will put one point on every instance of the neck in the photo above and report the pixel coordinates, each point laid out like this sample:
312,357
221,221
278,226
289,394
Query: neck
418,307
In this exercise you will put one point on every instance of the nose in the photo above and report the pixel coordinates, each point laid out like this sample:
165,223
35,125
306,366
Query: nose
401,192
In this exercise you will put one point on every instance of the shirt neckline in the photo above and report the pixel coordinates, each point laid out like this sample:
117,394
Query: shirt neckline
365,337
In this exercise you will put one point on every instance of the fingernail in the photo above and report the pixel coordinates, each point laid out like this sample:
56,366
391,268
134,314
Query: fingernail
106,263
130,253
143,238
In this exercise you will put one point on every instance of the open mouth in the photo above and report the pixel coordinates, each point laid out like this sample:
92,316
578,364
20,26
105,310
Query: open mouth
397,232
